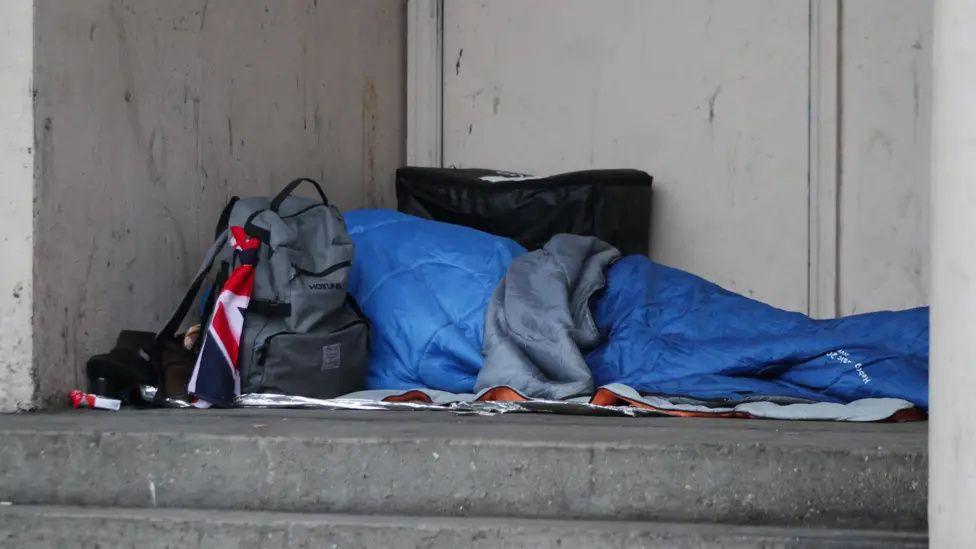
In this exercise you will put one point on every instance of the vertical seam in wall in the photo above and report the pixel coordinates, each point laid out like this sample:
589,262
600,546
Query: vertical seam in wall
424,82
810,159
839,169
404,95
35,215
823,106
440,84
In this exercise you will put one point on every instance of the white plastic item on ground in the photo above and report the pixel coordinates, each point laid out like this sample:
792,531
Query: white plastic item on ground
89,400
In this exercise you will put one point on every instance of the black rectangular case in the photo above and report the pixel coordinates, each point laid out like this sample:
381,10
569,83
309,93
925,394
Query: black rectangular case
613,205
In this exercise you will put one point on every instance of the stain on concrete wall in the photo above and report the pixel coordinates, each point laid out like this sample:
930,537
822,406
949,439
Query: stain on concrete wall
150,115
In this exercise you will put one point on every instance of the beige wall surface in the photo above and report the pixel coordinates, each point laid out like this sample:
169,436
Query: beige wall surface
150,115
952,433
680,89
16,197
886,94
714,99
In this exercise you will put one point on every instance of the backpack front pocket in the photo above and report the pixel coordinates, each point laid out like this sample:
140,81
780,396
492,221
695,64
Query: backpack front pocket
317,365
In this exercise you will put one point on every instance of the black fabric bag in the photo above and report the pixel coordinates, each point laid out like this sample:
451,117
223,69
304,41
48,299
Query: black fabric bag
122,371
612,205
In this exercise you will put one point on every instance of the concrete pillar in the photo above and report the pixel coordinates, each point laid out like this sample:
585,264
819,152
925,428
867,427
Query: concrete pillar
16,203
952,432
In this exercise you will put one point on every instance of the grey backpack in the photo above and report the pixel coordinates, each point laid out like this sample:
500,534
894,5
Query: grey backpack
303,333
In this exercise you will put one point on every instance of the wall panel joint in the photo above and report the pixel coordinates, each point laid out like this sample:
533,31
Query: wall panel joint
824,157
424,82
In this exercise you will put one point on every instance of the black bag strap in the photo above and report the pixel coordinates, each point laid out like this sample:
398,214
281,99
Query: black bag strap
173,324
270,308
224,218
356,309
223,223
290,188
211,297
254,231
168,332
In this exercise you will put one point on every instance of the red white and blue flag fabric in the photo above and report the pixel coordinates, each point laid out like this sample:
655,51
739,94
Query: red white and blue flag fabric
216,380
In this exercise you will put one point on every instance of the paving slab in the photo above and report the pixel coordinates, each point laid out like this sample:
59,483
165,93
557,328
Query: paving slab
841,475
57,526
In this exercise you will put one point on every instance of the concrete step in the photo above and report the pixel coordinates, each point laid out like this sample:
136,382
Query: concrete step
862,476
57,526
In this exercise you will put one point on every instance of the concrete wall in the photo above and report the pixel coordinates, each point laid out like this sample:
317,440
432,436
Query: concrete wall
952,433
150,114
886,83
16,198
679,88
715,100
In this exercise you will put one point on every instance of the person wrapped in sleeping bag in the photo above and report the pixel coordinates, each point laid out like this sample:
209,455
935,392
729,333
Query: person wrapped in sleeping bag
425,286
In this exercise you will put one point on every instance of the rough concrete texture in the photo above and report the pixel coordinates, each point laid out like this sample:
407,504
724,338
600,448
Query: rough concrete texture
30,526
953,444
16,203
720,102
737,472
884,143
150,114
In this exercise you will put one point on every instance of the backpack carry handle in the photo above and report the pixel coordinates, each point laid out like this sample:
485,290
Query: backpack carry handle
286,192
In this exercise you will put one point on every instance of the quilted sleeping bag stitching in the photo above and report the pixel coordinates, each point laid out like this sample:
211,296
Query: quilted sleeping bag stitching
426,287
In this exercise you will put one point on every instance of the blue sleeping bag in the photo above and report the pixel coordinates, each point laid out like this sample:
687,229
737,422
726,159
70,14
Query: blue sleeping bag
425,285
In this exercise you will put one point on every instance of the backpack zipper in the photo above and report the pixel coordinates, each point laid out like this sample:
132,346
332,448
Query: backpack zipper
325,272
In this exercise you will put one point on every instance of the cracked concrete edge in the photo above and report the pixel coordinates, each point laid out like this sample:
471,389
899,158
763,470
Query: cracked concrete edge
57,525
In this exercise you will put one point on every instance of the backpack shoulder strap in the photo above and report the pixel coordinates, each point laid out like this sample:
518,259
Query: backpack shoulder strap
224,220
169,330
223,223
173,324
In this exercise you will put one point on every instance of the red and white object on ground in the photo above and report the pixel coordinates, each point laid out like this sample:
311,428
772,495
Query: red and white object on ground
89,400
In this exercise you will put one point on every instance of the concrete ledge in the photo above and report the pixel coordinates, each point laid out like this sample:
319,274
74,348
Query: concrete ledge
538,466
53,526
